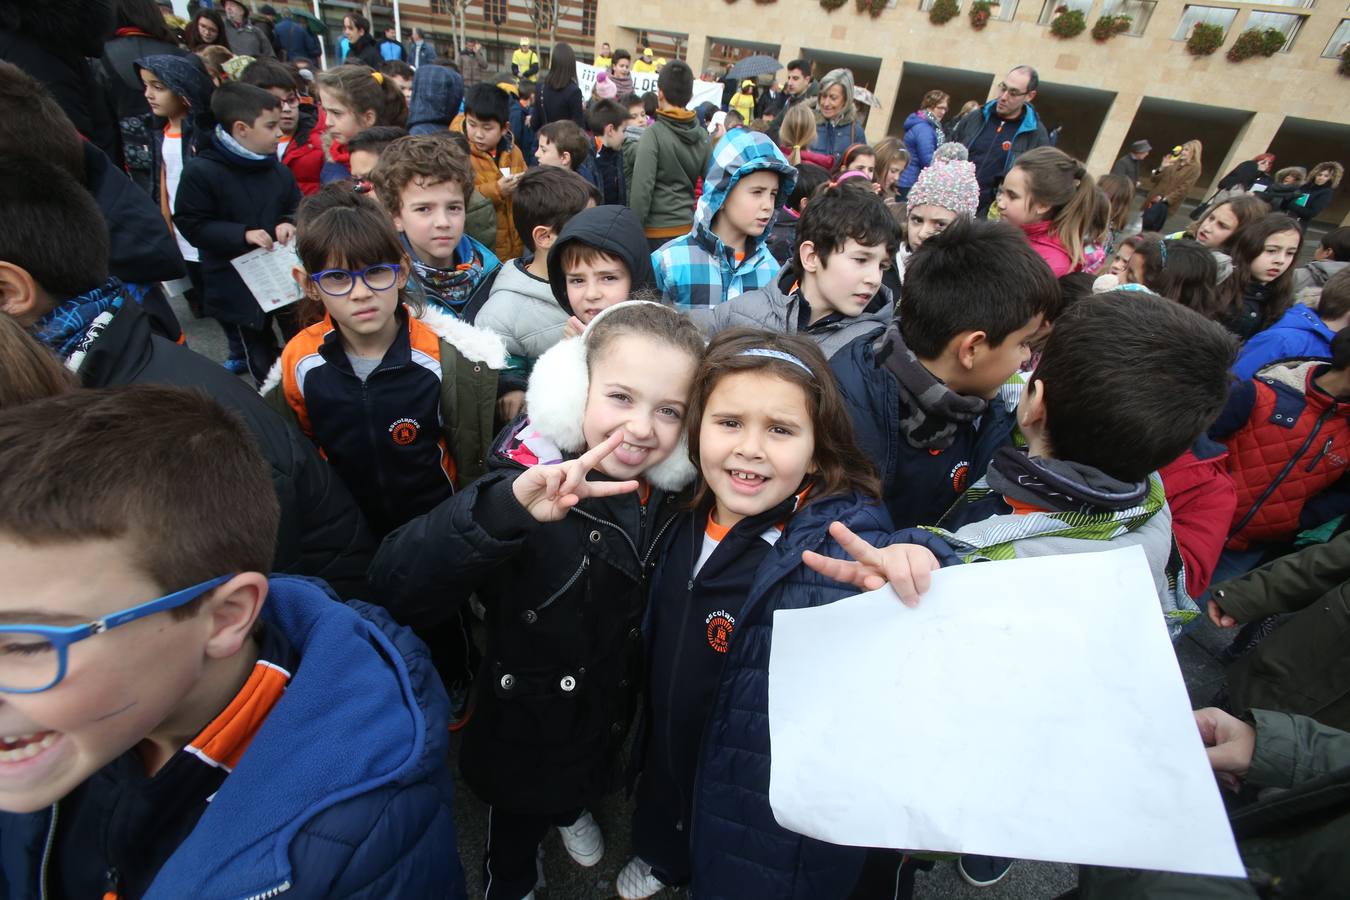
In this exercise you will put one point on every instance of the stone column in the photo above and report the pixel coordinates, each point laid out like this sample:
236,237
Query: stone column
1106,148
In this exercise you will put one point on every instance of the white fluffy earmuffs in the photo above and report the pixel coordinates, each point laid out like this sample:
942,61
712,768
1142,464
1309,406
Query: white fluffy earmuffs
556,400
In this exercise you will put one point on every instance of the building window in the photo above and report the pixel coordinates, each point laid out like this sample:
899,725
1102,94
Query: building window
1300,4
1004,12
1048,11
588,18
1339,39
1139,11
494,11
1207,15
1286,24
440,7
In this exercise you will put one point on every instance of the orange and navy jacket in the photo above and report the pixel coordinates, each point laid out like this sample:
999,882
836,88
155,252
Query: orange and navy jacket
384,436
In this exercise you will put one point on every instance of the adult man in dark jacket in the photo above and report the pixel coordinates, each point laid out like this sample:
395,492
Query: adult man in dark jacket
473,64
1128,165
244,37
1002,130
66,297
799,87
420,50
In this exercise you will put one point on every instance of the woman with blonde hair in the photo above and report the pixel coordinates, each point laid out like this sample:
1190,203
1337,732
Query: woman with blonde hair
796,135
1172,181
1323,179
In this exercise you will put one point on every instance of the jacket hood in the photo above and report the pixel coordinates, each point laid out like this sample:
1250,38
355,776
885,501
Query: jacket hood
391,726
914,118
738,154
184,76
614,229
436,95
687,130
80,26
1300,318
1292,373
515,279
556,399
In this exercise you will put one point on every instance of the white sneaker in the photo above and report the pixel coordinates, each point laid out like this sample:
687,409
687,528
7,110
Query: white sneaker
637,882
583,840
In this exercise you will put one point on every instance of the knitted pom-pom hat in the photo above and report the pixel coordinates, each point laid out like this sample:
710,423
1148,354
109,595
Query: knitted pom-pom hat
950,185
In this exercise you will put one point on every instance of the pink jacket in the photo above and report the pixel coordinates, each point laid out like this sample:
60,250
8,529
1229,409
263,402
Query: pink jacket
1051,249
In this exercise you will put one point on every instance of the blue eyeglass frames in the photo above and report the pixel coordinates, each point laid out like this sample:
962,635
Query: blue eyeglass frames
340,282
33,658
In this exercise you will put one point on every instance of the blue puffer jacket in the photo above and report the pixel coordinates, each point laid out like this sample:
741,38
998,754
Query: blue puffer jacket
917,485
1299,334
920,140
738,850
344,792
698,270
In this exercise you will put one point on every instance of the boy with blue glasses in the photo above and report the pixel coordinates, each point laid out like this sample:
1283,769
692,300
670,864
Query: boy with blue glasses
172,722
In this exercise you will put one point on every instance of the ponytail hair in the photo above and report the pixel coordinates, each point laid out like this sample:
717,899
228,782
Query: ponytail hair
1061,182
798,130
364,89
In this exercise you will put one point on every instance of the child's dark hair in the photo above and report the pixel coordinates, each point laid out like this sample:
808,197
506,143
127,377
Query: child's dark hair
618,54
676,83
841,467
974,275
234,102
487,103
24,101
1334,302
1061,182
850,156
1119,191
1131,381
524,91
547,196
193,498
604,113
1247,244
1337,240
427,158
1182,270
397,68
366,90
567,137
844,211
339,227
51,227
1074,287
651,102
809,179
1340,350
268,74
663,324
375,139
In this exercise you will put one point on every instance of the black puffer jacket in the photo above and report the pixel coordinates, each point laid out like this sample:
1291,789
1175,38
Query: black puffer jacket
322,532
565,600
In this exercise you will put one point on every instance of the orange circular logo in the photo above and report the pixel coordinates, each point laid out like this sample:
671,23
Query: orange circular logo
961,477
404,431
720,626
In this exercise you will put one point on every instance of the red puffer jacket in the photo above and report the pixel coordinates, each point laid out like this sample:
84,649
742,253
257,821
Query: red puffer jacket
1288,441
304,154
1202,498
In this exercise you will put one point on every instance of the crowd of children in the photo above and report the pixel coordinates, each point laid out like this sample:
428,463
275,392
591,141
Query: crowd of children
563,416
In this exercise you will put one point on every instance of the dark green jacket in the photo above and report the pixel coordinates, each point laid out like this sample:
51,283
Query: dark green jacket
671,157
480,221
1303,666
1294,841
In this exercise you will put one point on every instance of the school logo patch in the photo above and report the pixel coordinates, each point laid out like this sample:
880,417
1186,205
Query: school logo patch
404,431
960,476
720,626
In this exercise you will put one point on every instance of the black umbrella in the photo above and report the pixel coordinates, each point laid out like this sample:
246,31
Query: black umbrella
755,66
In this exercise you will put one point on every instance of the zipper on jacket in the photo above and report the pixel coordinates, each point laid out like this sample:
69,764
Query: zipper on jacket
585,564
1326,448
598,520
1284,473
272,892
112,885
47,853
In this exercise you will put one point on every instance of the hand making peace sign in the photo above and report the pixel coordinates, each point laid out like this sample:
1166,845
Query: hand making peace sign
907,567
548,491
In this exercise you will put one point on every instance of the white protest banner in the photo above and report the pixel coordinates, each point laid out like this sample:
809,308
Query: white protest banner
704,91
1031,708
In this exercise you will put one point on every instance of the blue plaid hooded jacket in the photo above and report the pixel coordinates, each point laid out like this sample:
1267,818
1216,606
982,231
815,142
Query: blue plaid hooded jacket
698,270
